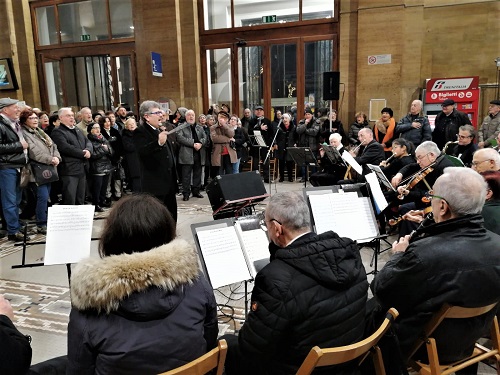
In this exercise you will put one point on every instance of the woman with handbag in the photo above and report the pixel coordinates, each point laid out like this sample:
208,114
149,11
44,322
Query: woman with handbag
44,159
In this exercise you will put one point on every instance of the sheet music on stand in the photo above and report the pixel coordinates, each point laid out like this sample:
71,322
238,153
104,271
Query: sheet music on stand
333,154
231,250
381,177
258,138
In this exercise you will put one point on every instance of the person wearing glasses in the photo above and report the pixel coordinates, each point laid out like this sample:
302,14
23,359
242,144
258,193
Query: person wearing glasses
419,178
464,147
313,292
447,123
156,157
454,261
486,159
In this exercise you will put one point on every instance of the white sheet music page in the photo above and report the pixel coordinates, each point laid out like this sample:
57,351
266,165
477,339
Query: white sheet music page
69,232
344,213
352,162
255,245
223,256
378,195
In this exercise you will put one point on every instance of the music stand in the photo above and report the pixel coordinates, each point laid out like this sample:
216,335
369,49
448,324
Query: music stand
304,157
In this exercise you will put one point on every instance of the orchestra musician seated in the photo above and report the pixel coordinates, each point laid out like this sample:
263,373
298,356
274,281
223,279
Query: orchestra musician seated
464,147
331,170
403,153
419,177
486,159
437,267
491,208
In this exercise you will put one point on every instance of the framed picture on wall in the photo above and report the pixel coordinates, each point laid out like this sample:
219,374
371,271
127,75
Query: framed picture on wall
7,75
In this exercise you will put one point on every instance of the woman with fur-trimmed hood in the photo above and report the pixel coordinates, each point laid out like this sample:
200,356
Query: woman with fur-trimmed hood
144,307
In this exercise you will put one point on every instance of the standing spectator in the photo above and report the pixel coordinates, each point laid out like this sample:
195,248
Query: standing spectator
100,166
308,136
240,141
246,119
15,348
114,185
277,120
223,156
490,128
191,156
41,150
285,139
360,122
75,150
209,121
145,307
384,130
242,145
13,156
121,116
133,167
87,120
158,174
447,123
337,127
414,127
43,119
262,124
53,123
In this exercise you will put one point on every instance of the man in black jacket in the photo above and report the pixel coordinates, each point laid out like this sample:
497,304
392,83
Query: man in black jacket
13,156
313,292
447,123
457,261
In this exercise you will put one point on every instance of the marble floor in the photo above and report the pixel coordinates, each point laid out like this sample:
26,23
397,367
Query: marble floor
40,295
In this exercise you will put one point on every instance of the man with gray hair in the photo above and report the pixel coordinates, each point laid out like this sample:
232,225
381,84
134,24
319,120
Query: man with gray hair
158,174
313,292
414,127
486,159
456,261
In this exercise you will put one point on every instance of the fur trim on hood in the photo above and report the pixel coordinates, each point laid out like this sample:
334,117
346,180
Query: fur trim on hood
102,283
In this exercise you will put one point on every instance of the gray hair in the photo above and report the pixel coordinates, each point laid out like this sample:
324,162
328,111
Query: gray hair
463,198
182,111
428,147
146,107
336,136
287,115
290,209
63,109
468,128
489,154
419,102
190,110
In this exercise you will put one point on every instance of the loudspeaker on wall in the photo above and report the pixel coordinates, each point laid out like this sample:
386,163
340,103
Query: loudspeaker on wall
331,85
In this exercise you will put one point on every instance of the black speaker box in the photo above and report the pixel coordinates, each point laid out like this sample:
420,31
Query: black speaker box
231,192
331,85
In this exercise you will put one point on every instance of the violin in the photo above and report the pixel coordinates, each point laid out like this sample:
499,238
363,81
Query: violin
419,176
395,221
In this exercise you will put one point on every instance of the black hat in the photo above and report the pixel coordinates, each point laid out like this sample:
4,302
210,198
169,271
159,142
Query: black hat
496,102
387,110
259,107
447,102
308,110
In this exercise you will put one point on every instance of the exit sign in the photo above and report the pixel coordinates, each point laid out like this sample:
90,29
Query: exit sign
269,19
84,38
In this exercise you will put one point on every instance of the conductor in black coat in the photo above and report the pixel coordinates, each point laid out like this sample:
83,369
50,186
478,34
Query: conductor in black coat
158,174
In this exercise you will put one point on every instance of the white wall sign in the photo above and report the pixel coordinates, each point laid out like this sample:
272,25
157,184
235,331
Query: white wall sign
379,59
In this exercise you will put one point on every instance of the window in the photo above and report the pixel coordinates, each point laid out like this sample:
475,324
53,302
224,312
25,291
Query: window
47,28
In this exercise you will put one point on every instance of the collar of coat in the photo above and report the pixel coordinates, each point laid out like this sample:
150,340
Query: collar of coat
102,283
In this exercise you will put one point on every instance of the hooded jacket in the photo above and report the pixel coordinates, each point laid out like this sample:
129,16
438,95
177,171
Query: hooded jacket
312,293
141,313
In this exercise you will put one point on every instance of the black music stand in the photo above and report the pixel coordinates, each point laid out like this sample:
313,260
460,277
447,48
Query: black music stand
304,157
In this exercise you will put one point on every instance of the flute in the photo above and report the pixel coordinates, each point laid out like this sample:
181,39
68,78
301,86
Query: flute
357,148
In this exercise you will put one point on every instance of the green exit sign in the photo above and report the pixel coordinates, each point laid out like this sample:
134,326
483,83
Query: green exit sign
84,38
269,19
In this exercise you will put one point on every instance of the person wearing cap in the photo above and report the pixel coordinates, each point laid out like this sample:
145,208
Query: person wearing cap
223,156
490,128
384,130
13,156
308,136
264,125
447,123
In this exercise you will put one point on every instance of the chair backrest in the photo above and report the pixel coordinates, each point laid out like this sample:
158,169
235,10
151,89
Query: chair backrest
214,359
449,312
333,356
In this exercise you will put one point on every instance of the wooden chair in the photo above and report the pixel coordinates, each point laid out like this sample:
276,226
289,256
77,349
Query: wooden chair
480,353
333,356
214,359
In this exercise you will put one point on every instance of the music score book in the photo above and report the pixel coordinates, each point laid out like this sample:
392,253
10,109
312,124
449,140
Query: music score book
232,250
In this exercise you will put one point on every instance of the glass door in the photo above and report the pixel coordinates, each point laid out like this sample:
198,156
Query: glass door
283,59
53,83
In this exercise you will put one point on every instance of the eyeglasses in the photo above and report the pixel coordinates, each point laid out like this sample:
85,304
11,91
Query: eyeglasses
33,118
434,196
157,113
263,223
463,136
474,163
423,156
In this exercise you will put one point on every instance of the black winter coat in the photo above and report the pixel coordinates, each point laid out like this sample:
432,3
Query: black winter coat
11,150
71,144
140,313
130,154
285,138
446,127
15,349
354,129
100,159
312,293
457,262
414,135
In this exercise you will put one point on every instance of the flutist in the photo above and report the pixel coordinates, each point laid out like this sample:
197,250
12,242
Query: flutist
428,156
370,152
331,170
403,153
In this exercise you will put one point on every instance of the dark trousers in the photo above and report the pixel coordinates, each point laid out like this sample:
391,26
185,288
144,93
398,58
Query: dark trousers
170,201
99,184
288,165
226,167
194,171
73,189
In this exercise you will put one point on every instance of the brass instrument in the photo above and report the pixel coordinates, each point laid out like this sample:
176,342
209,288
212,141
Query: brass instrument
447,145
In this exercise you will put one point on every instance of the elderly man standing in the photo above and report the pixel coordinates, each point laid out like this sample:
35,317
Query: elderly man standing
313,292
13,156
158,174
490,128
456,261
191,155
447,123
86,114
414,127
75,150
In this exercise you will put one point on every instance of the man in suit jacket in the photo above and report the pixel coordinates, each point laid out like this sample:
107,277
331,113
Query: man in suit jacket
158,174
371,152
75,150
